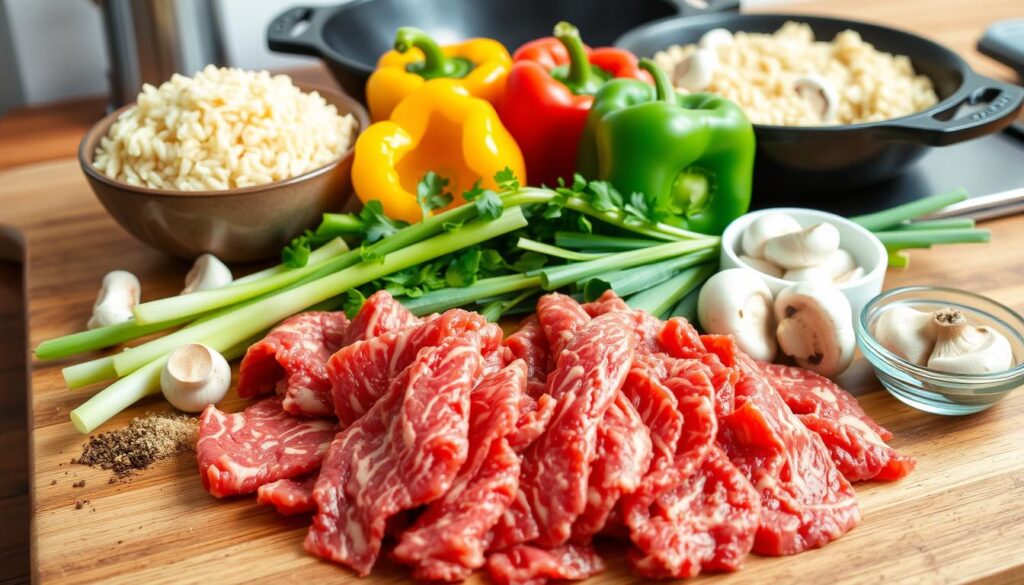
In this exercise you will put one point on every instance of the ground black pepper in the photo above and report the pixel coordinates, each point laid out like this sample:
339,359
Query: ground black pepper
145,440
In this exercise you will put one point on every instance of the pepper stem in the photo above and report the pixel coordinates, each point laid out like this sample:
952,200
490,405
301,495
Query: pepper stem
580,76
662,85
435,63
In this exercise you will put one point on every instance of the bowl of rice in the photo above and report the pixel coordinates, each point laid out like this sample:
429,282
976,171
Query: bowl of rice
227,161
836,104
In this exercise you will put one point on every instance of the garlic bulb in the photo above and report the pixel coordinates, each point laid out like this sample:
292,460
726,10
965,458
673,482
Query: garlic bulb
964,349
906,332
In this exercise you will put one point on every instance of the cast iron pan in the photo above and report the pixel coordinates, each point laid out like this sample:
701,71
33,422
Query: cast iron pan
812,161
351,37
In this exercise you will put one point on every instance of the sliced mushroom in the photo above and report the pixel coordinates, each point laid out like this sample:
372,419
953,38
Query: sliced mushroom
714,38
737,302
764,228
761,265
207,273
961,348
820,94
118,295
810,247
696,71
815,327
809,274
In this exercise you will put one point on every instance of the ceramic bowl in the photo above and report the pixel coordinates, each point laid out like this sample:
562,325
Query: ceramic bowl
931,390
862,244
236,225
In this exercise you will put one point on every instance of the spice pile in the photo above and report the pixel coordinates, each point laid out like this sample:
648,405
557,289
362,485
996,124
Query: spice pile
144,441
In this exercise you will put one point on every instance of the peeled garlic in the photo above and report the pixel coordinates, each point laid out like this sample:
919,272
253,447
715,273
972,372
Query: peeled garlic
964,349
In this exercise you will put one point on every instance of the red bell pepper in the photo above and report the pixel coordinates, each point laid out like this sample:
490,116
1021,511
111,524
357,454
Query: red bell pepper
548,94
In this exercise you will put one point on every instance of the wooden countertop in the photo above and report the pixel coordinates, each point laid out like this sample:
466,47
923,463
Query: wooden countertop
958,518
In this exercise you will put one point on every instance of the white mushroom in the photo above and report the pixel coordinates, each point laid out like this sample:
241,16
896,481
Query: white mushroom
762,265
765,227
695,72
815,327
855,274
207,273
906,332
195,376
964,349
819,93
809,274
839,263
808,247
714,38
737,302
119,294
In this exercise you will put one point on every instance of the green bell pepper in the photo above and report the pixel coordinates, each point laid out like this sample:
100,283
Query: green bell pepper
692,156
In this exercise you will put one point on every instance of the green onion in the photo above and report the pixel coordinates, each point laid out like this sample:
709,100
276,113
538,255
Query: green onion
922,238
937,224
660,299
494,310
321,254
687,308
894,216
448,298
89,372
227,329
549,250
99,338
627,282
898,259
579,240
559,276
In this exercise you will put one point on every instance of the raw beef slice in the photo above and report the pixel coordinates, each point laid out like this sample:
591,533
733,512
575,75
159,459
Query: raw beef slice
529,344
289,496
561,317
380,314
292,359
705,522
448,540
556,468
530,565
805,502
855,442
361,372
405,452
239,452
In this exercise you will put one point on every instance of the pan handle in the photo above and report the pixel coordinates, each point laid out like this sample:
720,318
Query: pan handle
297,30
993,104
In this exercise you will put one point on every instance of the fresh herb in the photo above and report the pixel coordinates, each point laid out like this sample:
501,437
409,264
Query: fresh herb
488,203
506,180
431,193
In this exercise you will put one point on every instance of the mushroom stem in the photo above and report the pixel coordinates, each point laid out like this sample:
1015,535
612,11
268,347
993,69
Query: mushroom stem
964,349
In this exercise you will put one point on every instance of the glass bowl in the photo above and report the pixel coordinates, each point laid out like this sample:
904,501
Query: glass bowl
931,390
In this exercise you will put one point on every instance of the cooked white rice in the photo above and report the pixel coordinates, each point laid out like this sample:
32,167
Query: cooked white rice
224,128
757,72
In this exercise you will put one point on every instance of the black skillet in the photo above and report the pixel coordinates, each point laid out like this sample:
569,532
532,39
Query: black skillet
351,37
810,161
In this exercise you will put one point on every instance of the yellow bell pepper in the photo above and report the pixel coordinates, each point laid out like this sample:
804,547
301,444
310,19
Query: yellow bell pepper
479,65
440,127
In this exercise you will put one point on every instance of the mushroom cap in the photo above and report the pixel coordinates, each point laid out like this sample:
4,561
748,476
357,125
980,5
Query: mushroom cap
809,247
815,327
737,302
764,228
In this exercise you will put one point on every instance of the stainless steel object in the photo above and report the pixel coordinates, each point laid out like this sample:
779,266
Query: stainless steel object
149,40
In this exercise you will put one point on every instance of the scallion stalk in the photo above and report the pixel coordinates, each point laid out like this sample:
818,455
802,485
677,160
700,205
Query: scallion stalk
661,299
89,372
633,280
579,240
944,223
549,250
687,308
922,238
447,298
898,259
495,309
894,216
233,326
318,256
93,339
559,276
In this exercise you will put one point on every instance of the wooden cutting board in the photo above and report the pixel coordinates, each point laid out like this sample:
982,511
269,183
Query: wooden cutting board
958,518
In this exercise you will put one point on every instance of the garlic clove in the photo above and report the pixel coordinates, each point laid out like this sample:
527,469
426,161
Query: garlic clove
714,38
118,295
906,332
207,273
810,247
820,94
194,377
840,263
762,265
696,71
963,349
765,227
810,274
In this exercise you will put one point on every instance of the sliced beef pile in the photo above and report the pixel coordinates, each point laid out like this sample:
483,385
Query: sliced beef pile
473,452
